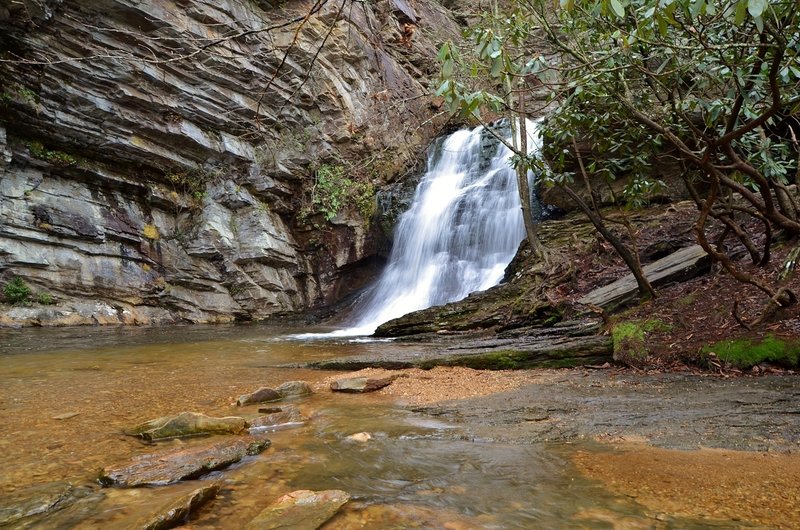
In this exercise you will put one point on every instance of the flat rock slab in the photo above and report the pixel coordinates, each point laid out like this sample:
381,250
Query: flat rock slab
187,424
361,385
678,266
300,510
158,469
676,411
565,344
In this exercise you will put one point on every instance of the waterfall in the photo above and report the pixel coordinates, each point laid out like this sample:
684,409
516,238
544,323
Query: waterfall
462,230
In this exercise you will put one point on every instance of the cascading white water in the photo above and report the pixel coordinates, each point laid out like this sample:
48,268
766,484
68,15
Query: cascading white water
461,232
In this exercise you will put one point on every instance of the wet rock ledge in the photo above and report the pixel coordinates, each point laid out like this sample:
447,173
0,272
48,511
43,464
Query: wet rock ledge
565,344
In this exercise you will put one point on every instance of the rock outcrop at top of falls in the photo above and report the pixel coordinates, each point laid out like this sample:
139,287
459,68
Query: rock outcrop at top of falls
153,163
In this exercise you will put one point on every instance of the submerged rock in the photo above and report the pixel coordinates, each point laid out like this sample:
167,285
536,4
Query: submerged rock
65,416
36,500
361,437
187,424
286,418
158,469
300,510
139,508
175,511
357,385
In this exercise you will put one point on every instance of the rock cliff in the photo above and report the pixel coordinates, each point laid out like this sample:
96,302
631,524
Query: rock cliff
158,157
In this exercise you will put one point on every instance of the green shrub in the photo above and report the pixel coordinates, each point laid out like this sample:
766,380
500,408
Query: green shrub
45,299
16,291
334,192
57,158
746,353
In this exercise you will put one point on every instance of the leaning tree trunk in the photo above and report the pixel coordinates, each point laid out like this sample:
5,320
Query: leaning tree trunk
531,228
645,289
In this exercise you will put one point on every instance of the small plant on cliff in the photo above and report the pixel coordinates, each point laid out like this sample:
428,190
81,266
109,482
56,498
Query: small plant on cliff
330,190
16,291
45,299
335,192
150,232
193,181
56,158
20,94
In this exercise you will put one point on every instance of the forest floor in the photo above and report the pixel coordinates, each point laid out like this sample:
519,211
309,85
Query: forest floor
695,313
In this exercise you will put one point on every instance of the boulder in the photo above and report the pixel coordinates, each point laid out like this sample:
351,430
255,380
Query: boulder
360,385
360,437
287,390
262,395
300,510
292,389
158,469
187,424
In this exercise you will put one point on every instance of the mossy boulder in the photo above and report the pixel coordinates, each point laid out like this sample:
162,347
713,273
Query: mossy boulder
262,395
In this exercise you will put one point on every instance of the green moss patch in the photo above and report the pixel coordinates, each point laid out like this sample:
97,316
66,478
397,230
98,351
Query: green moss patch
746,353
629,340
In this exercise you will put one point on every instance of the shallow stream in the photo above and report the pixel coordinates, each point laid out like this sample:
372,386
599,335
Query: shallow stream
66,394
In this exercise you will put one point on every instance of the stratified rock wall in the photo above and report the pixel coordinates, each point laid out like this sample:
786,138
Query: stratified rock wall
155,154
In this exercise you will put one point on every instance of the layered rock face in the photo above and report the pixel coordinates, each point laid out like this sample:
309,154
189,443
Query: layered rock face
158,156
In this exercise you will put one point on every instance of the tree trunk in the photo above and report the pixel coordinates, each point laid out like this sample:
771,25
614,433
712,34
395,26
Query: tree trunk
645,289
531,228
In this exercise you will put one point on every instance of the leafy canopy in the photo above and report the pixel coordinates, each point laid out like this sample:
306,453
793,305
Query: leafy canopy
716,79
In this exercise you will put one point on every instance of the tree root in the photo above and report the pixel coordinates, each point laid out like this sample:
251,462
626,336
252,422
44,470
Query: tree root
781,300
